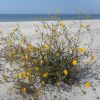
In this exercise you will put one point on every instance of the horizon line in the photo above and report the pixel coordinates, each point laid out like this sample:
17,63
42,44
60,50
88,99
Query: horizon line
51,13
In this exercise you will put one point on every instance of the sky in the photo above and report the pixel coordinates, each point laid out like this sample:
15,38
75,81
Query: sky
49,6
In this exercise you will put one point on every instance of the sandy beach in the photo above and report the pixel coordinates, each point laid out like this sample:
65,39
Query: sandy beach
27,28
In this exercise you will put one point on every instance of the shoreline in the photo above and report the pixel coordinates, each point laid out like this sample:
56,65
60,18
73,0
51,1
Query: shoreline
49,20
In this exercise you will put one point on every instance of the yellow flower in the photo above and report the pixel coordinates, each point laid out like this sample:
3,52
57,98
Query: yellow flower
27,56
66,72
20,75
82,26
41,49
21,42
47,37
44,56
12,54
87,84
45,74
37,68
89,62
10,42
41,61
62,25
24,90
92,57
27,79
75,62
39,92
55,29
81,50
46,47
31,48
43,82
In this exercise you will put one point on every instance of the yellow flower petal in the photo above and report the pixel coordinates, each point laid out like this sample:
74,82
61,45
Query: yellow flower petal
46,47
24,90
10,42
83,26
92,57
62,25
87,84
31,48
66,72
81,50
27,79
45,74
39,92
37,68
75,62
27,56
89,62
20,75
43,82
41,62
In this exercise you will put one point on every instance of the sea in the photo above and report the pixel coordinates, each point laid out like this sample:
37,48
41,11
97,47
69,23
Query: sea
38,17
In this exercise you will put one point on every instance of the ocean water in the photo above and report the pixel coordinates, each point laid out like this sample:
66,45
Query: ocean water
32,17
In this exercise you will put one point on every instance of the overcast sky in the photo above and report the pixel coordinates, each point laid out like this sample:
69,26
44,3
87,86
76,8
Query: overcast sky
49,6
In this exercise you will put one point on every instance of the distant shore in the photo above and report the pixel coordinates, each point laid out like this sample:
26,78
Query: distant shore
36,17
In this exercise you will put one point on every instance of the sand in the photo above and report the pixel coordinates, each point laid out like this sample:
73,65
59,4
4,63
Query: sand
27,29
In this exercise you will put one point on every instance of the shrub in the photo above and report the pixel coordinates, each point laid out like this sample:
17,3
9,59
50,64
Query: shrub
57,57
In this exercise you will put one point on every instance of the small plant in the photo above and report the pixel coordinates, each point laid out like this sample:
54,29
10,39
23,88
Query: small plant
57,57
